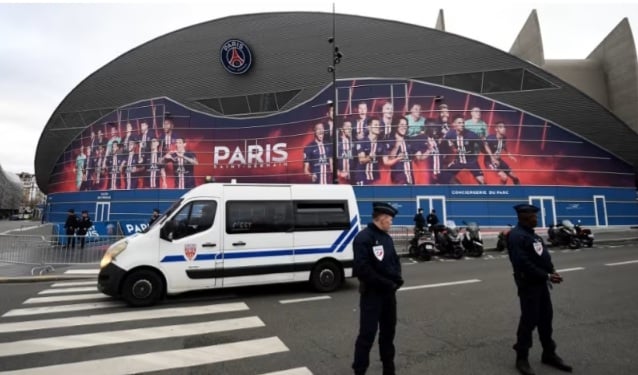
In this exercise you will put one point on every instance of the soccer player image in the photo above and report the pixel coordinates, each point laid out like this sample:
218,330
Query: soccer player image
80,160
475,124
144,138
317,160
495,147
361,123
128,136
154,165
115,138
184,163
168,139
88,172
345,150
329,124
99,167
112,166
433,154
396,155
131,165
465,146
387,117
416,122
367,150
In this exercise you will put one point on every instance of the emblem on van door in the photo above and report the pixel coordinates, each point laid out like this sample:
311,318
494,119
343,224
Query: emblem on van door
235,56
190,249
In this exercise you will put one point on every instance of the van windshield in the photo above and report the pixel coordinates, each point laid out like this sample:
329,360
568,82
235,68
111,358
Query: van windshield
166,213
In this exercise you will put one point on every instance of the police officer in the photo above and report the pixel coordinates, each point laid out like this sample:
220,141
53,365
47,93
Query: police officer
534,274
154,216
419,221
84,225
377,266
70,226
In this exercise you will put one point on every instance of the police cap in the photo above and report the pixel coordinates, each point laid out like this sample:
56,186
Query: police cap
526,209
71,211
384,208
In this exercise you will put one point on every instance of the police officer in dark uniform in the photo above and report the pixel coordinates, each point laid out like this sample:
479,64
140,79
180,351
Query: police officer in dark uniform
419,221
378,268
534,274
84,224
70,226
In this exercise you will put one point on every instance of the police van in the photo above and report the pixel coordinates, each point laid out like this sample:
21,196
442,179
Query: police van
228,235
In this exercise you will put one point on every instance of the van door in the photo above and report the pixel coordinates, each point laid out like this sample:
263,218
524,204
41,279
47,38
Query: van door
188,254
258,239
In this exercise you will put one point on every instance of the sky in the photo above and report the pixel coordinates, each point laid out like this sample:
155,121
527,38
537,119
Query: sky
47,49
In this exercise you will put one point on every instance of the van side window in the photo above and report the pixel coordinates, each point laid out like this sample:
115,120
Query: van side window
321,215
195,217
258,216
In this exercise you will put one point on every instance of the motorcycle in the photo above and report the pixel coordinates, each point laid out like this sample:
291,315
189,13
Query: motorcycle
585,235
563,234
501,242
422,245
448,240
472,240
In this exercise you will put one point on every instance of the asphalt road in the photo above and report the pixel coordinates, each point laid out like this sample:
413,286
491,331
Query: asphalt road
466,327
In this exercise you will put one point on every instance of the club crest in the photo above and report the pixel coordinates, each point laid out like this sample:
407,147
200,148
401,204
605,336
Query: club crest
378,251
190,250
538,247
235,56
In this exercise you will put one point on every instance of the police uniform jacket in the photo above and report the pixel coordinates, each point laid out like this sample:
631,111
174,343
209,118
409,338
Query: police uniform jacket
84,225
376,262
530,259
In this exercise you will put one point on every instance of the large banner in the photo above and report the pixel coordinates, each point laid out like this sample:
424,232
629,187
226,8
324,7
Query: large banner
399,132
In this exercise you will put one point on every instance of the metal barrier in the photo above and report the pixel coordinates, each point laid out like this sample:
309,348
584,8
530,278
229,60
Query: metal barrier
401,237
48,251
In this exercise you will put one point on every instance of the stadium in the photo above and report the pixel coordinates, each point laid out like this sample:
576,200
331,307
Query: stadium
422,118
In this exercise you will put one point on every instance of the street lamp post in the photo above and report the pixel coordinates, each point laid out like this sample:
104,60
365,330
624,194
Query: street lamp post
336,59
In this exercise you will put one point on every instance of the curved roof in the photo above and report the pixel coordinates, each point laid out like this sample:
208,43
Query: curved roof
291,52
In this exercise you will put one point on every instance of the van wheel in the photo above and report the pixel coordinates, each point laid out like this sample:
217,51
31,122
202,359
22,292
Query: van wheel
142,288
326,277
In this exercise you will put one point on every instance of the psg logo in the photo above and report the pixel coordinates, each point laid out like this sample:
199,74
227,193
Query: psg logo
235,56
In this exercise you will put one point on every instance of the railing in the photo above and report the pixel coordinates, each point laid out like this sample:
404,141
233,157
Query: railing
48,251
401,237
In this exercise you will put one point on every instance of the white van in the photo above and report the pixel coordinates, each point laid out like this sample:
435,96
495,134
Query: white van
226,235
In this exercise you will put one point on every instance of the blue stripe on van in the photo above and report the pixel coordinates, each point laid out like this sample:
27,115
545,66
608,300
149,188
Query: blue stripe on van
338,246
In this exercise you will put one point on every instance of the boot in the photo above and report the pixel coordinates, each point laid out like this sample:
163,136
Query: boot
555,361
522,365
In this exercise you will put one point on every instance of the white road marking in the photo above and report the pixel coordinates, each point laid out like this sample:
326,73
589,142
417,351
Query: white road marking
570,269
285,301
133,315
63,308
83,272
73,283
70,290
158,361
405,288
292,371
122,336
67,298
621,263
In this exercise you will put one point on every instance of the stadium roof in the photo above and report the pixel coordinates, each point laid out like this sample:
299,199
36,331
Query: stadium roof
292,53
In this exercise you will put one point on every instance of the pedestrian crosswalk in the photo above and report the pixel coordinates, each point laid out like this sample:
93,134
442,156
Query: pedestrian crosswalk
66,320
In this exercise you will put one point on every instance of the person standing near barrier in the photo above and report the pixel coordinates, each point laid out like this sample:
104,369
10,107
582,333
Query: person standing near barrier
154,216
378,268
84,225
70,226
534,275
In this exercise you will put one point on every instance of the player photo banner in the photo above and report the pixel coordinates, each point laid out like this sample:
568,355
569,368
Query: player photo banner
398,132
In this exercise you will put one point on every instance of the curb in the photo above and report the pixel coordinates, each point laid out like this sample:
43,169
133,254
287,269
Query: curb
45,278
